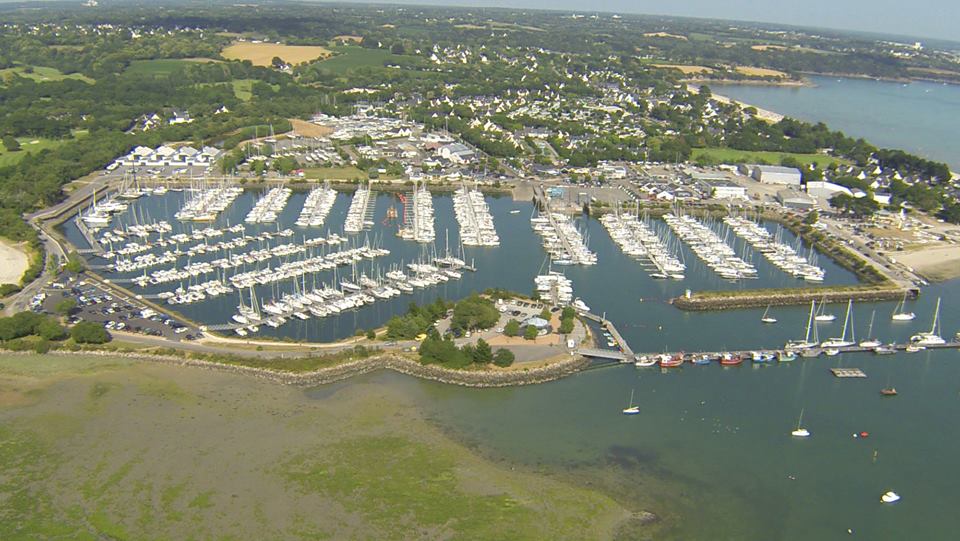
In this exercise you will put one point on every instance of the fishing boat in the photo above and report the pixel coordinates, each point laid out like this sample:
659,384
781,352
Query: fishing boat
631,409
786,356
890,497
671,362
800,432
644,361
913,348
766,317
515,211
726,359
888,391
932,337
841,342
899,314
888,349
870,342
831,352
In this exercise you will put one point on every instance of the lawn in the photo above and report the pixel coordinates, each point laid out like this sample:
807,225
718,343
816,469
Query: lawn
161,66
27,145
335,173
730,155
42,74
349,57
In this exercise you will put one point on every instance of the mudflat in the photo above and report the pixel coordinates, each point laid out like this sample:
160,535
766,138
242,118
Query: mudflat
112,448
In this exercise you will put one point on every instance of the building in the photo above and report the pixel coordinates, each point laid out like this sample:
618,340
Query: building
724,189
456,153
793,199
826,190
775,174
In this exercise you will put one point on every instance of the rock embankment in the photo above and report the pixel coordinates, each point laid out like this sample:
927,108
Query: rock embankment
466,378
760,298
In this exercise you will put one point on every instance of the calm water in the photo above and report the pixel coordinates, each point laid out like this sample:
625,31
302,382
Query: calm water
918,117
711,451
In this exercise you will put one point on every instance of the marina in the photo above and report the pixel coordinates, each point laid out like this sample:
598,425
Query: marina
269,206
473,215
361,211
710,248
316,207
779,254
418,216
637,239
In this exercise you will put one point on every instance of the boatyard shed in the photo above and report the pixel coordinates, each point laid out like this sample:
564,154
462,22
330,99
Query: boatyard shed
775,174
724,189
793,199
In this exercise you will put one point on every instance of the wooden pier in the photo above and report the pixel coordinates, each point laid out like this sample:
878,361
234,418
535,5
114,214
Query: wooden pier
610,328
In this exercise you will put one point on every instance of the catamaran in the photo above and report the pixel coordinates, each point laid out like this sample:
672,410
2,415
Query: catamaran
898,312
931,338
631,409
800,432
805,343
841,342
871,342
766,317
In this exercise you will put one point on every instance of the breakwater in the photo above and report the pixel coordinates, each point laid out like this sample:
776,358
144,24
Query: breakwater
348,369
726,300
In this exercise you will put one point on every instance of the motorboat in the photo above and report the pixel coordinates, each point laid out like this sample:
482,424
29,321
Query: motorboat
643,361
888,391
890,497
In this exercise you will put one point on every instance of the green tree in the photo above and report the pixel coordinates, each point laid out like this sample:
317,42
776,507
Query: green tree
50,329
503,357
88,332
545,314
512,328
10,143
530,333
371,334
483,353
811,218
566,326
66,307
74,263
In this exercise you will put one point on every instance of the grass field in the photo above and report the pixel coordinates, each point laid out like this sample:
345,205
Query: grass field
335,173
161,66
730,155
100,448
309,129
27,145
261,54
41,74
350,57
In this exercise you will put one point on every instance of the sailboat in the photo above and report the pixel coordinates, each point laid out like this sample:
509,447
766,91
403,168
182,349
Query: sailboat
766,318
631,409
822,316
841,342
899,314
805,343
870,342
931,338
800,432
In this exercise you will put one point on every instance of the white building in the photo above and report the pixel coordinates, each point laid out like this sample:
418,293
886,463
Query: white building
825,189
775,174
723,189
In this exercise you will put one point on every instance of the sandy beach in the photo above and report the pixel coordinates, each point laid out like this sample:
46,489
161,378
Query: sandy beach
935,263
762,114
13,262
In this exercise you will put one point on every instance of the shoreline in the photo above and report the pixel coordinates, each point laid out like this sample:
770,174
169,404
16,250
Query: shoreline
463,378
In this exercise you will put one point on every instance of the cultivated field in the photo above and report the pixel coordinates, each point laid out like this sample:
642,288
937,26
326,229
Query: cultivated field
261,54
664,35
760,72
686,70
309,129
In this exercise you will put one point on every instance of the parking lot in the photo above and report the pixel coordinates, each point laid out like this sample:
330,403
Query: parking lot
115,312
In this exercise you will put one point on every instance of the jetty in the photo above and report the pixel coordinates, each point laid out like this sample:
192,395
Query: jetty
756,298
608,326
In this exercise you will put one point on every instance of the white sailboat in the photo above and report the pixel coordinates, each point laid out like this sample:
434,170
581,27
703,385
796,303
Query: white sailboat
805,343
822,316
766,317
870,342
898,312
931,338
841,342
631,409
800,432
